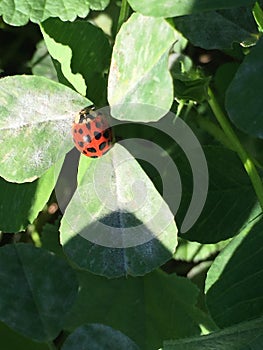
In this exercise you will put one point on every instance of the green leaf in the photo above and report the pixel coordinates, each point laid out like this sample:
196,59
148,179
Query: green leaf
21,195
217,29
234,286
195,252
245,336
99,337
36,115
223,77
189,83
141,78
38,289
12,341
147,309
26,199
99,5
41,63
172,8
45,186
83,52
258,15
50,238
230,195
113,227
243,97
19,13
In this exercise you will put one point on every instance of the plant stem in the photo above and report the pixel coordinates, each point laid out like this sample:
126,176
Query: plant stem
215,131
179,108
124,13
237,146
189,106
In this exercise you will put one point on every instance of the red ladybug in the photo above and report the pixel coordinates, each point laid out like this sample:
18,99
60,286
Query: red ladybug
92,134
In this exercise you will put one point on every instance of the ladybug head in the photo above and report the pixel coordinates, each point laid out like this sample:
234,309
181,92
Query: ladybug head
87,113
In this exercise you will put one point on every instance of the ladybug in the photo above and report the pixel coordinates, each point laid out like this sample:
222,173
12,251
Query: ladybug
91,132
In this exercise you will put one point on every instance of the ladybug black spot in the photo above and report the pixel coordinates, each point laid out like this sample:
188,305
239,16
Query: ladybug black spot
90,116
88,126
91,149
84,152
80,131
106,134
102,146
75,131
81,144
97,135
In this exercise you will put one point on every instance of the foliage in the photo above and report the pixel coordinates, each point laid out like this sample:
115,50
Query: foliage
95,251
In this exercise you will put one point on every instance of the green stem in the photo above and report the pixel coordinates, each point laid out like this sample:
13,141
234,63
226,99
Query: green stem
179,108
215,131
124,13
237,146
189,106
218,134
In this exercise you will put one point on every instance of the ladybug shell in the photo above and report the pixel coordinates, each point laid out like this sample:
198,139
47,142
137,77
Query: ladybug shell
92,134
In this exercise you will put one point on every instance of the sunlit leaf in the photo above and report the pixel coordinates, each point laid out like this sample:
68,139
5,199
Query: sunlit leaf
42,64
20,12
36,115
141,78
172,8
115,227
